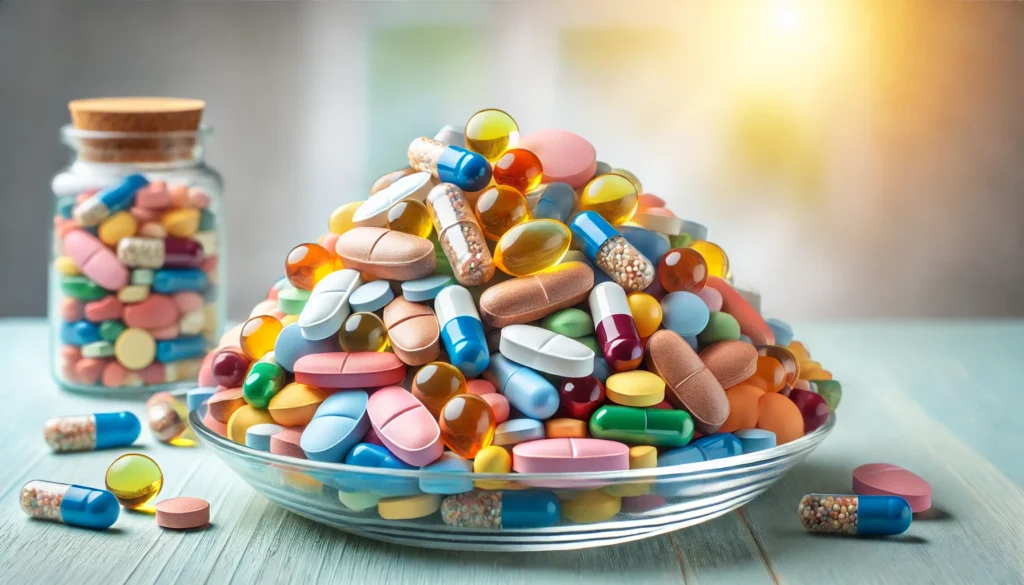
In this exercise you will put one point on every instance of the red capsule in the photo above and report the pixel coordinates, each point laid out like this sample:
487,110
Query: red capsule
813,408
580,397
230,367
616,330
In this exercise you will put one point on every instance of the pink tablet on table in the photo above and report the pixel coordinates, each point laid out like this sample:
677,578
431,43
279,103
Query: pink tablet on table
405,426
885,479
339,369
565,156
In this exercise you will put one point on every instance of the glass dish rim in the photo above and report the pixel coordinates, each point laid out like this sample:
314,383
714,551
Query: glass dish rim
683,471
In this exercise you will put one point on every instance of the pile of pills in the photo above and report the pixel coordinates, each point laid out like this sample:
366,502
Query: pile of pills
508,303
137,268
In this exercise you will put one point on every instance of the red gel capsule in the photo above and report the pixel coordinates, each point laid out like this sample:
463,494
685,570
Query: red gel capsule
230,367
580,397
813,408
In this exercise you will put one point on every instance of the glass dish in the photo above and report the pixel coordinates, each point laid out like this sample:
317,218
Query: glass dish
673,497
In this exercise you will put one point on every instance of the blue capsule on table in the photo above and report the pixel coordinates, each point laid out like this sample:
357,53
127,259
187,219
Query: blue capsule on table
69,504
172,280
462,331
525,389
102,430
501,509
79,333
851,515
181,348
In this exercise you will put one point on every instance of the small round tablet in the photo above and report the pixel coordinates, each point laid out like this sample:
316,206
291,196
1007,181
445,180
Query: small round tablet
426,288
885,479
371,297
183,513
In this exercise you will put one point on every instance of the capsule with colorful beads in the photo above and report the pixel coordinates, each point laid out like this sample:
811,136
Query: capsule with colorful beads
69,504
103,430
616,331
462,331
611,252
451,164
99,206
160,253
501,509
855,515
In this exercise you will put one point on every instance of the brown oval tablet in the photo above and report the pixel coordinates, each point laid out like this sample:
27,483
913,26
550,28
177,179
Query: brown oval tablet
536,296
730,361
385,254
224,403
413,330
690,385
183,513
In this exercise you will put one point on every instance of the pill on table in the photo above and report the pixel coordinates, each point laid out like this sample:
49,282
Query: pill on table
183,513
373,211
591,506
638,388
524,388
520,430
408,507
566,157
873,516
580,397
328,306
349,370
751,323
405,426
371,297
639,426
501,509
461,330
168,420
753,440
450,164
546,351
731,362
135,480
884,479
691,386
69,504
102,430
386,254
224,403
568,456
616,330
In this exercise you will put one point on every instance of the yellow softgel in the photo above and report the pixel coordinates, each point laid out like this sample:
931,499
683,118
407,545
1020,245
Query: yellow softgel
532,246
613,197
410,217
492,459
714,257
499,208
258,336
632,178
591,506
363,332
66,266
135,480
647,313
117,227
491,132
341,219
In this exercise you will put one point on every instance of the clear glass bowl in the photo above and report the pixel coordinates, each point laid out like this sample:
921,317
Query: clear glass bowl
673,497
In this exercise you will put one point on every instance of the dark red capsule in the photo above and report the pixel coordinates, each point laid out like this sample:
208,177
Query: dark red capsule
230,367
812,407
580,397
620,342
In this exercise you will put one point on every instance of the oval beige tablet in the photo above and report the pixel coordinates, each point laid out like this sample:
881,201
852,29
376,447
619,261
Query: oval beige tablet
528,298
413,330
730,361
689,384
183,513
386,254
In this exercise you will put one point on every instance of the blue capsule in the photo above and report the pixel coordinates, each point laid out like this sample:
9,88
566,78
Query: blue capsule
98,207
781,330
88,432
73,505
556,202
181,348
375,456
466,169
525,389
718,446
172,280
462,331
501,509
448,463
79,333
852,515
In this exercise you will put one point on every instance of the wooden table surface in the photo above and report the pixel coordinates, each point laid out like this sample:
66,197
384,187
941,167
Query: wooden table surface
940,398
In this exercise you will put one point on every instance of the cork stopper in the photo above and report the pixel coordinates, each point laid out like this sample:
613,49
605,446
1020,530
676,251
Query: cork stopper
142,129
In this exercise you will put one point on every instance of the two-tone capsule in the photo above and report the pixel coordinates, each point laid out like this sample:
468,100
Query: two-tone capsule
854,515
98,207
468,170
501,509
617,335
87,432
157,253
611,252
462,331
73,505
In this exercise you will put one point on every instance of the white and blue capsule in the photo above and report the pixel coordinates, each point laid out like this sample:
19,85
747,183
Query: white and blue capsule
69,504
87,432
98,207
462,331
852,515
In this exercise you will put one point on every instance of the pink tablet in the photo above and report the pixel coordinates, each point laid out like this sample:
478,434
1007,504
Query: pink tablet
566,157
405,426
569,456
884,479
95,260
286,442
349,370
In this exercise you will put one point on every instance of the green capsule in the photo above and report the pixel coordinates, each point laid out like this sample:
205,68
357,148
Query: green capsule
82,288
111,330
642,426
720,327
831,391
291,300
265,379
570,323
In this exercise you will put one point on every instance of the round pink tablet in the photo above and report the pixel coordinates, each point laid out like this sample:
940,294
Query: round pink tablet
566,157
885,479
183,513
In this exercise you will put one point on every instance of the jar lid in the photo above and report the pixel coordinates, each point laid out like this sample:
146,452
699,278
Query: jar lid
137,114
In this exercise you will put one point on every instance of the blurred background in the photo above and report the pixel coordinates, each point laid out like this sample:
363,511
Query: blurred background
855,159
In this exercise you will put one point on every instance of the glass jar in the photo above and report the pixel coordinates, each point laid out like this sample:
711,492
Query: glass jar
134,303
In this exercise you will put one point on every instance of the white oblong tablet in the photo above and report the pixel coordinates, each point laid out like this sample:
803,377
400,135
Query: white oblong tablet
374,211
454,301
663,224
327,306
546,351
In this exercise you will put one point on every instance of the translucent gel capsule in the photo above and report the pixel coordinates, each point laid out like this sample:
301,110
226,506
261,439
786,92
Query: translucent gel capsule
91,431
770,375
531,247
135,480
363,332
435,383
499,208
73,505
632,179
467,424
519,168
786,358
854,515
491,132
307,264
612,196
465,169
168,420
461,237
259,335
683,269
714,257
410,217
